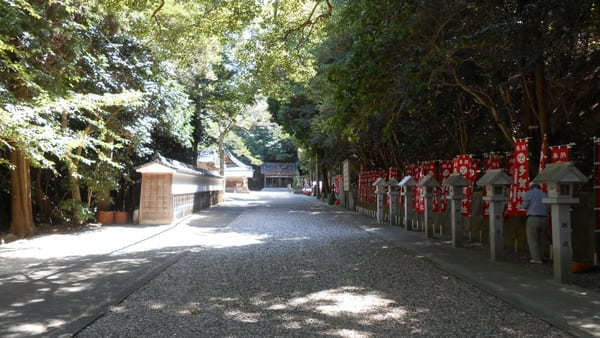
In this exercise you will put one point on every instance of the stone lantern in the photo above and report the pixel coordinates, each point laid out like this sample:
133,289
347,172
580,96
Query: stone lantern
407,184
380,189
428,183
456,182
495,182
393,192
560,179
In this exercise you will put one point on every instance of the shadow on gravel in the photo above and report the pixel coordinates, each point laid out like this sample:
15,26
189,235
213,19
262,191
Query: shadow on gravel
232,296
289,268
309,274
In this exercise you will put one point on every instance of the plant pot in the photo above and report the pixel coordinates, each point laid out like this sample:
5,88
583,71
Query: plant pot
121,217
106,217
580,267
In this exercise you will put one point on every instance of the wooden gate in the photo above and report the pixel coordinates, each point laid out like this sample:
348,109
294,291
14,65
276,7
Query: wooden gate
156,200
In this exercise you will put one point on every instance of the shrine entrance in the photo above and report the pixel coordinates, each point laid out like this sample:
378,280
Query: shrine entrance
278,182
278,174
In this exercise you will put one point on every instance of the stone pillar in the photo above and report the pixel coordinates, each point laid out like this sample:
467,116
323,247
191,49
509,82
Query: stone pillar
562,250
456,220
393,194
427,214
380,189
495,182
428,183
496,210
407,184
407,192
560,178
456,182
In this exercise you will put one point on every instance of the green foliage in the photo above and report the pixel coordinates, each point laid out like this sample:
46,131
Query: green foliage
191,33
400,81
266,140
81,99
70,210
269,143
90,89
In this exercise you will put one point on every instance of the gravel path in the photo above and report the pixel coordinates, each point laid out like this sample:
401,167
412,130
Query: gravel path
290,266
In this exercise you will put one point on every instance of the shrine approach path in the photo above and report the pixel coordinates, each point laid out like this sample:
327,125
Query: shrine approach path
279,264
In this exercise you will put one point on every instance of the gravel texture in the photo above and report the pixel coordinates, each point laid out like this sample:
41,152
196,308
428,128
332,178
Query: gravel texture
290,266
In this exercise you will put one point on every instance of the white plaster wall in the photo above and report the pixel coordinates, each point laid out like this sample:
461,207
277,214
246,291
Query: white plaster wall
189,184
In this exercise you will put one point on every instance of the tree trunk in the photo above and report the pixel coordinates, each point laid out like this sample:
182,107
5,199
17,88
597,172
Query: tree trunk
326,190
222,155
41,198
196,135
74,182
541,101
20,196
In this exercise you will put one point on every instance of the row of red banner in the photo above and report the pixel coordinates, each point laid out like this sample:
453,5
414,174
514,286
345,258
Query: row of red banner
517,167
366,190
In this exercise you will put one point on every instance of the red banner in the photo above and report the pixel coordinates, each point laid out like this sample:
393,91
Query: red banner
510,162
419,200
543,160
491,162
543,155
445,172
409,171
463,165
559,154
394,173
337,184
430,168
366,190
474,170
520,179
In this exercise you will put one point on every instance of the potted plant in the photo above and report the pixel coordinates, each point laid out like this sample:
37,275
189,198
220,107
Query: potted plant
106,217
121,217
103,200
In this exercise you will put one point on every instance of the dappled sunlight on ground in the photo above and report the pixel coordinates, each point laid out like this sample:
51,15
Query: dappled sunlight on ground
88,267
265,264
349,300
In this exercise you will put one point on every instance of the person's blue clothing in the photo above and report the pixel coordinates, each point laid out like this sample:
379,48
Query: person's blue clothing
533,202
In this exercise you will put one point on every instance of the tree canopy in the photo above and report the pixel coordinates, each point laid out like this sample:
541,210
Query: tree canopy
90,89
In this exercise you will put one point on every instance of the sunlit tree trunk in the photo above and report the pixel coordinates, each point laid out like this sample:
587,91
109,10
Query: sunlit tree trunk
222,154
72,172
20,196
